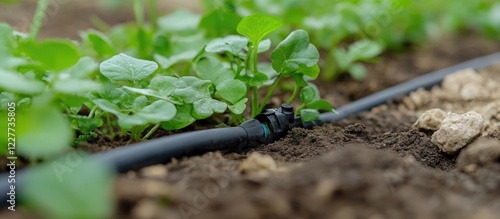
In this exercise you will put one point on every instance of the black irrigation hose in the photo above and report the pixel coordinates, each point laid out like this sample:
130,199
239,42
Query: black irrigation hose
267,127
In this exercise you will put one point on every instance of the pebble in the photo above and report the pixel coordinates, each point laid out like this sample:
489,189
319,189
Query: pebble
430,120
257,163
457,130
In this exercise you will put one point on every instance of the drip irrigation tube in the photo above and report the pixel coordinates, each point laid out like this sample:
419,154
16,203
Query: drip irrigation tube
265,128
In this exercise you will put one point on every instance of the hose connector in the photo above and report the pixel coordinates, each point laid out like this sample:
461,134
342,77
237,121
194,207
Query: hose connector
277,122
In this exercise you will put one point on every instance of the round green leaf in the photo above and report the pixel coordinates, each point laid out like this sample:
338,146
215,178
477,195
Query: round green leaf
75,86
239,107
294,51
307,94
18,83
191,89
204,108
101,44
320,105
123,67
53,54
232,44
308,115
210,68
158,111
43,132
256,27
232,90
364,50
71,181
182,119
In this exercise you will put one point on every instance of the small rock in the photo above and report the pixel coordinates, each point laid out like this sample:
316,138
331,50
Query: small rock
156,171
146,209
430,120
466,85
417,99
480,152
457,131
257,163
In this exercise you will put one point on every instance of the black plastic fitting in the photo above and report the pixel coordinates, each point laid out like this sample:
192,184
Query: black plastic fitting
278,122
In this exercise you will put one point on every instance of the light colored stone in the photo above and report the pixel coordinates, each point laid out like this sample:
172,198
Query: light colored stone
457,131
257,163
466,85
430,120
480,152
156,171
415,100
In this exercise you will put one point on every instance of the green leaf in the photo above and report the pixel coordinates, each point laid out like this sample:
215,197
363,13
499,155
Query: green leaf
232,44
204,108
357,71
86,124
220,23
158,111
75,86
107,106
140,102
127,122
310,72
182,119
179,21
320,105
364,50
84,67
257,79
164,94
343,59
53,54
42,132
101,44
256,27
123,67
164,84
71,181
307,94
210,68
166,63
308,115
115,95
264,46
190,89
294,51
239,107
7,41
232,90
18,83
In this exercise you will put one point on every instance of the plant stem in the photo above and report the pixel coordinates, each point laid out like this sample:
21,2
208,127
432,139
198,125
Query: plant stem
139,12
153,14
268,95
36,25
91,114
255,70
153,130
255,55
294,94
255,101
110,126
